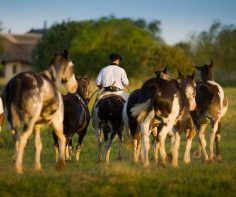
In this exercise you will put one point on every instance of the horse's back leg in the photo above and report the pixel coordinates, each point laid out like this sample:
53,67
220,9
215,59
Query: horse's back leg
2,118
78,147
190,134
58,127
203,141
108,145
214,128
38,147
56,145
27,131
120,145
217,141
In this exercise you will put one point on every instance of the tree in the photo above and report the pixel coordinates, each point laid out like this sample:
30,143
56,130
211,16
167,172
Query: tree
55,40
91,42
218,44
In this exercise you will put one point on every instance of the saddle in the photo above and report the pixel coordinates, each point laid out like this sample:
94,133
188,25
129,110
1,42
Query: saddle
110,106
116,97
111,89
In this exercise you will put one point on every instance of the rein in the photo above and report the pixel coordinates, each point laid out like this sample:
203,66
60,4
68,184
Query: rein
93,95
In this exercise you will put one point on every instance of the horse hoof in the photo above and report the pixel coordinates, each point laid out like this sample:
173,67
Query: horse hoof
187,162
119,158
208,161
38,168
19,170
219,158
196,155
175,164
60,165
162,164
146,164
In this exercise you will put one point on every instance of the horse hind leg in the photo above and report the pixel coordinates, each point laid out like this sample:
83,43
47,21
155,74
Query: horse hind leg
108,146
190,135
15,136
68,149
214,129
56,145
27,131
38,148
78,147
119,157
203,141
155,144
99,140
175,153
217,141
58,127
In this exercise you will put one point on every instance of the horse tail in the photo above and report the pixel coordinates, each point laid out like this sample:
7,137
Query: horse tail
11,97
141,110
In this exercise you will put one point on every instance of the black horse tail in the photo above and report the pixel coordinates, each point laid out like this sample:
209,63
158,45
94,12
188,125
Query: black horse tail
11,99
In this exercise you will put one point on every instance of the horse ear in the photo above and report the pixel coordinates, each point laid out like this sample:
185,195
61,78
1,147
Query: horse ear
193,75
65,53
211,63
179,73
165,70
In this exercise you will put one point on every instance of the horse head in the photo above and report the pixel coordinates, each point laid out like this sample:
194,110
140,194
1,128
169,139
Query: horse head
206,71
162,73
63,71
189,86
83,88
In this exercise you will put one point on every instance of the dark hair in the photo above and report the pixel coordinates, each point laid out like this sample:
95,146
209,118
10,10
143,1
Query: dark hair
115,56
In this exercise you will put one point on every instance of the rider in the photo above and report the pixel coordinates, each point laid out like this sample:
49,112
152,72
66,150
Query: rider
113,78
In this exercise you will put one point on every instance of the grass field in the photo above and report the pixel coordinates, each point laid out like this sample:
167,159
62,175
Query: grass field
120,178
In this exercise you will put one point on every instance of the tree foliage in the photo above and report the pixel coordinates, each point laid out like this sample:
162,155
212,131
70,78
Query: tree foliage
218,44
91,42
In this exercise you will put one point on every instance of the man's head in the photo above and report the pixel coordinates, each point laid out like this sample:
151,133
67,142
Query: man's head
115,57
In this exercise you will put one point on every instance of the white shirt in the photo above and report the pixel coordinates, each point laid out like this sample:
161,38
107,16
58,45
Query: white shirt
112,75
1,106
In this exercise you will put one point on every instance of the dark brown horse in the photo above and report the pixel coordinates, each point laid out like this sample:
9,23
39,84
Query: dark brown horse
33,99
76,117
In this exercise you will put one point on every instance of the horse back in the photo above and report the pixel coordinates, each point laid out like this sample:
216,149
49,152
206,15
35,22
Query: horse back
76,113
26,93
110,108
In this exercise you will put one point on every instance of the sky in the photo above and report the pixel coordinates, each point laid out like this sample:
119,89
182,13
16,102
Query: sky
179,18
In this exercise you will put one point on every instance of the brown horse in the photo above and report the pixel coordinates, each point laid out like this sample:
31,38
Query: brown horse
76,117
33,99
212,105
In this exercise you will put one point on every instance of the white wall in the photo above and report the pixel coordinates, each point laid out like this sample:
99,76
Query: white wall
8,71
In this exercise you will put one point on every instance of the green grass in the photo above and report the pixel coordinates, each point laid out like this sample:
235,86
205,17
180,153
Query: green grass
120,178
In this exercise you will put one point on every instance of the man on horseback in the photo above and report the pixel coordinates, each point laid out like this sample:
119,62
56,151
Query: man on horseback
113,78
107,109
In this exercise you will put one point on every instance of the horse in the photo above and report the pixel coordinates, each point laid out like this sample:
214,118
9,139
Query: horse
107,117
212,105
76,117
161,102
130,122
184,121
32,100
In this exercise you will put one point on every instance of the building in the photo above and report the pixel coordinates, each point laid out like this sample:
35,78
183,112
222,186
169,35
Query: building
17,53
